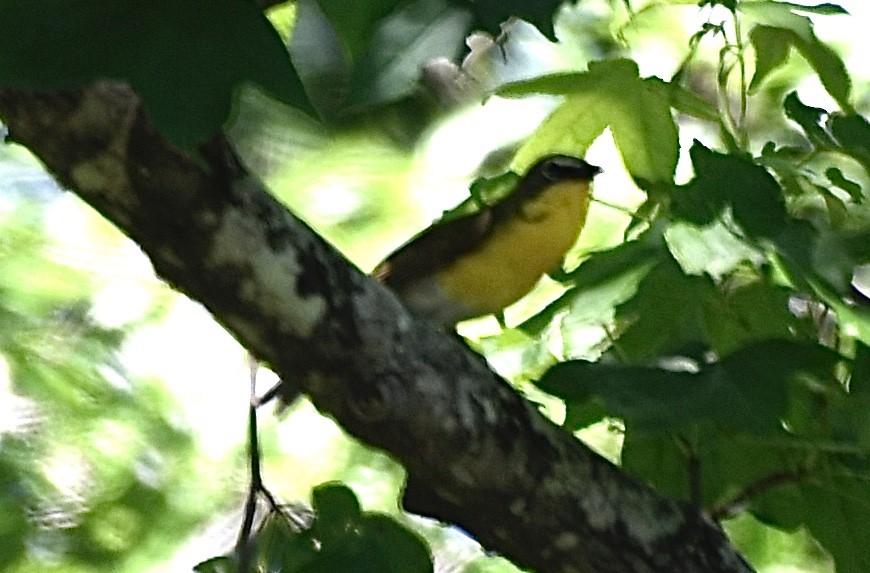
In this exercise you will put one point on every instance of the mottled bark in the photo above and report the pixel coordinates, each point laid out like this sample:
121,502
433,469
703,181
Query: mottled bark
477,454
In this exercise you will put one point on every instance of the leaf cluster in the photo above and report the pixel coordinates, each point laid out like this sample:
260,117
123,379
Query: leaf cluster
340,538
91,460
736,340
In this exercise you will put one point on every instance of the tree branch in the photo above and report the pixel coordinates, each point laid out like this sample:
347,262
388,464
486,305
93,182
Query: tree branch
476,453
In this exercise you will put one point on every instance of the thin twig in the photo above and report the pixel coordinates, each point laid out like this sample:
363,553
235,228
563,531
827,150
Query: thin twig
695,482
744,90
732,507
693,467
270,395
255,487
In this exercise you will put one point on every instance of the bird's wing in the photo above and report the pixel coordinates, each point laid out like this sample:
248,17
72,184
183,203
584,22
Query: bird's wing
434,248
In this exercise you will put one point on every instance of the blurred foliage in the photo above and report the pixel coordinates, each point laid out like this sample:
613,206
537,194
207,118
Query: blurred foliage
93,461
714,320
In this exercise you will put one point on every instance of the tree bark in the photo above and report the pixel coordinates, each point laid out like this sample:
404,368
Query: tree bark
477,454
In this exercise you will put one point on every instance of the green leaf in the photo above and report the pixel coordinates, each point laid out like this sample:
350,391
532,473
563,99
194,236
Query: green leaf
658,459
604,266
746,391
356,22
566,130
610,94
343,539
772,47
853,189
346,555
713,249
13,504
280,547
820,259
729,4
811,120
755,310
786,162
721,463
837,210
856,422
402,43
590,305
666,315
335,502
798,31
321,60
641,396
684,101
833,506
852,133
185,59
673,312
216,565
399,549
854,319
752,194
831,70
826,8
836,511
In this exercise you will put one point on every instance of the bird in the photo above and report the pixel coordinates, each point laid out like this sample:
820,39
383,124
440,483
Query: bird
478,264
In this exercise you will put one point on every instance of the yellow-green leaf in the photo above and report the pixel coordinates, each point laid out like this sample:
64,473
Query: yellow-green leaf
610,94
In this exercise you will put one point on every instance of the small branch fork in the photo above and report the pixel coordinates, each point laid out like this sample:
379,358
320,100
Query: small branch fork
244,545
733,506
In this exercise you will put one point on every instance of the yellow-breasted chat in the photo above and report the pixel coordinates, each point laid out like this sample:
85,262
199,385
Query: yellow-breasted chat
479,263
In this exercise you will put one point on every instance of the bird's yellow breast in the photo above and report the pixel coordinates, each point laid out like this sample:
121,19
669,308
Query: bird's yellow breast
518,252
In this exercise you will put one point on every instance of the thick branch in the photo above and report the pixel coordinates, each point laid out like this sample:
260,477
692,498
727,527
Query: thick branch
476,453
